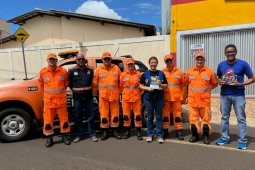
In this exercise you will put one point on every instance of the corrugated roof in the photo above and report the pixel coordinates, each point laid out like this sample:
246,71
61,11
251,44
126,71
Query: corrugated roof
149,30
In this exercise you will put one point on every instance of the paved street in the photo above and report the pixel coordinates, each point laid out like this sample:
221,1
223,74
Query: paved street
128,154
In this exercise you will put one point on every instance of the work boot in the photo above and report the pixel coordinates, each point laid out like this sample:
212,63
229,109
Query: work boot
66,139
166,134
127,133
139,134
105,135
49,141
206,139
179,134
115,134
194,137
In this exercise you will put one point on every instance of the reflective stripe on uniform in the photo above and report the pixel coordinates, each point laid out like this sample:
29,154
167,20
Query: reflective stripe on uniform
82,88
131,87
54,90
173,85
107,86
200,89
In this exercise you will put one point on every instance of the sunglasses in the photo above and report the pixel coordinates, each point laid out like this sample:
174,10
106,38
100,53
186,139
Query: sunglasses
107,59
168,60
81,59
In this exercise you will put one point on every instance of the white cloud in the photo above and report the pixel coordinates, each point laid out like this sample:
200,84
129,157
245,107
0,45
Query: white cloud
146,6
97,8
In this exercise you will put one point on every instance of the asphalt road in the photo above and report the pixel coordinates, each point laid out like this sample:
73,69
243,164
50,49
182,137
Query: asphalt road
128,154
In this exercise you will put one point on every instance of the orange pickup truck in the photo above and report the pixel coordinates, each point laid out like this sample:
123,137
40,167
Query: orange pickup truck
21,104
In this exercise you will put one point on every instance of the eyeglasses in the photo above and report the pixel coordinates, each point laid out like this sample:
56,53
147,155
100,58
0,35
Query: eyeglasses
169,60
80,59
107,59
52,59
230,52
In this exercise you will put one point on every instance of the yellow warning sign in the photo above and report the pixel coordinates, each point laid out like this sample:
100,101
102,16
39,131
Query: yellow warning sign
21,34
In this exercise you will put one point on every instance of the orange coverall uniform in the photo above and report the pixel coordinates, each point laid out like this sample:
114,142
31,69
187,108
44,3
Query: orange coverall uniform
173,96
131,97
107,81
199,95
53,85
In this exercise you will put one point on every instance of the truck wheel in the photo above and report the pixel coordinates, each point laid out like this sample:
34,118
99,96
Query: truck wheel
15,124
145,117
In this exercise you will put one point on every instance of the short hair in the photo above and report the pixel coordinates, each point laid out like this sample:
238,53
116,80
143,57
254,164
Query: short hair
230,45
153,58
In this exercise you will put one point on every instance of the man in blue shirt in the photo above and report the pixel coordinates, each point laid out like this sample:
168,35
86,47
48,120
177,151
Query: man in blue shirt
231,78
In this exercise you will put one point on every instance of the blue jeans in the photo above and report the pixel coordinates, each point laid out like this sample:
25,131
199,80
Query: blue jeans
151,106
79,105
238,103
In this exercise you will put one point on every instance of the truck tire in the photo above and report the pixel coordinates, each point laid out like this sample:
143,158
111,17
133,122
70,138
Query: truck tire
145,117
15,124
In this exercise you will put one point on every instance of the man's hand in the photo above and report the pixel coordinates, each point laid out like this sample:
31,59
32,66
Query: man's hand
150,89
235,83
220,81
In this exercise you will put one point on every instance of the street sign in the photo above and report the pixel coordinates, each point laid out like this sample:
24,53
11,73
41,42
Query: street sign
21,34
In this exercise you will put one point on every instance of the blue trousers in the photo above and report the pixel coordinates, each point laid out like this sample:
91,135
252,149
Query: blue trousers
238,103
88,105
154,106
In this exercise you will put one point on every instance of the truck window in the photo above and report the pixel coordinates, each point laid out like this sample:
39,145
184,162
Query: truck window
119,63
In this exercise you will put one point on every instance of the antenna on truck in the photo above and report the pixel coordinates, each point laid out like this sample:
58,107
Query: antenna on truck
116,52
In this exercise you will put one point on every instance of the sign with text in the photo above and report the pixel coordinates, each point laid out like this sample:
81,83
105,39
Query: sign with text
196,48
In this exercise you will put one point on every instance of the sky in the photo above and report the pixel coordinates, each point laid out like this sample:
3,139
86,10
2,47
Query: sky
141,11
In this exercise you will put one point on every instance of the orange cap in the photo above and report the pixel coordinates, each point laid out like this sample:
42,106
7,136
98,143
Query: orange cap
130,61
200,55
51,55
106,55
168,56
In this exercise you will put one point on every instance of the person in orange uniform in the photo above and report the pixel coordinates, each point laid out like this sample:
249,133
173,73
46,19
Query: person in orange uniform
131,98
201,81
106,78
53,81
173,97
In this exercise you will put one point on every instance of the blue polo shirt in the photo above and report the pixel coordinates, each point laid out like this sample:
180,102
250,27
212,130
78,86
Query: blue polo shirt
237,69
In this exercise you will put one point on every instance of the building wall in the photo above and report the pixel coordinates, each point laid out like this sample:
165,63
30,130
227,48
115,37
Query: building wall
5,26
48,30
200,14
12,65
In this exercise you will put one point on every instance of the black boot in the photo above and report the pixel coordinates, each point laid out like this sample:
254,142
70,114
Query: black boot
206,130
166,134
179,135
139,134
49,141
115,134
194,137
127,133
206,139
66,139
105,135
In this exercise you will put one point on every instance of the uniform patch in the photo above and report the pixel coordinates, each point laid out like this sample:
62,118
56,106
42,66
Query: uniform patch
101,74
191,77
61,78
146,81
75,73
136,78
45,79
126,79
114,73
177,76
205,78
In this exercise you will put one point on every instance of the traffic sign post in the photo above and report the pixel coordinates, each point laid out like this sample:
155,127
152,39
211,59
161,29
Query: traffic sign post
22,35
